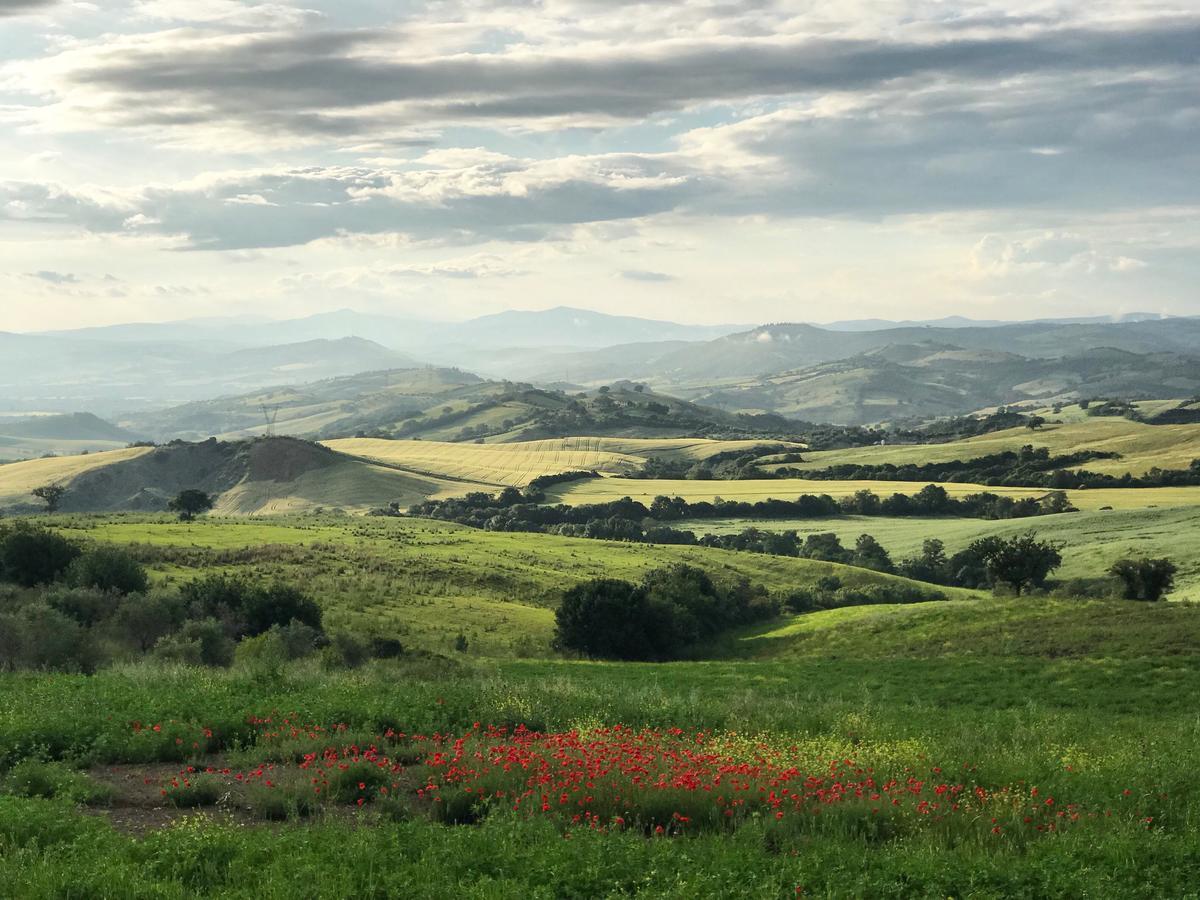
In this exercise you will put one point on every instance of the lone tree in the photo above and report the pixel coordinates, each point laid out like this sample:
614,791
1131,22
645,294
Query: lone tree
190,503
51,495
1035,422
1021,562
1145,579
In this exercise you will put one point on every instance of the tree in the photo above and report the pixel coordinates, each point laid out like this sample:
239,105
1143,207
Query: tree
190,503
1021,562
108,569
51,495
1035,422
32,556
870,554
826,547
604,618
1145,579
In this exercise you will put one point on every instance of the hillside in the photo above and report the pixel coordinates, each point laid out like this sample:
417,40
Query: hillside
1140,446
73,433
450,405
921,381
262,476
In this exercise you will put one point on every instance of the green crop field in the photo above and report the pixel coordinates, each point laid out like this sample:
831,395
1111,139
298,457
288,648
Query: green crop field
1141,446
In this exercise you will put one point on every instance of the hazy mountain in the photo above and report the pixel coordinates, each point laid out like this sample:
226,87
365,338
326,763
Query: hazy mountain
965,322
50,373
926,380
772,349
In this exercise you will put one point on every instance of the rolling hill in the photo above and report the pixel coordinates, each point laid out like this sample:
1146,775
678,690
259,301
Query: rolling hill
451,405
263,476
73,433
925,380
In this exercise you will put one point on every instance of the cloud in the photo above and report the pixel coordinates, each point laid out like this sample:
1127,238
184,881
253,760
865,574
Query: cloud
1053,253
19,7
55,277
319,84
643,275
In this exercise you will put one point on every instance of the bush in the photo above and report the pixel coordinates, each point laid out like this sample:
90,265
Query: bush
201,642
345,651
247,609
672,609
31,556
39,637
85,605
108,569
50,780
1145,579
140,621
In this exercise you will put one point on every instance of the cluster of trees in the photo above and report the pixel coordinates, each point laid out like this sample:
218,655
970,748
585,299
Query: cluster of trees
631,520
730,465
66,607
668,614
1029,467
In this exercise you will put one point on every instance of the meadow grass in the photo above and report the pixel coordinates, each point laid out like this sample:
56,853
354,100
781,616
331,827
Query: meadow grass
425,581
1092,539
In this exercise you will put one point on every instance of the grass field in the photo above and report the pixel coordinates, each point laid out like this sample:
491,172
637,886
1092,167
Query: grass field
1141,446
427,581
1067,714
1092,540
603,490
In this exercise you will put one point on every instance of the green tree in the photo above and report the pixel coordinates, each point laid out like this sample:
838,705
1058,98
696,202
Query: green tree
108,569
870,554
32,556
190,503
1021,562
50,494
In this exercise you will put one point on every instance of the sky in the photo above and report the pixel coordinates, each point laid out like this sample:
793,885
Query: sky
709,161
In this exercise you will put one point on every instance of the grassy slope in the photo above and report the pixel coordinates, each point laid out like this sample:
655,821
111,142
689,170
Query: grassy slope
18,479
1141,446
1092,540
607,489
426,581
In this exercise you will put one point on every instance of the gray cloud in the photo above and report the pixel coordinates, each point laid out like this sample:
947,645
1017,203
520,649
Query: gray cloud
340,82
643,275
55,277
17,7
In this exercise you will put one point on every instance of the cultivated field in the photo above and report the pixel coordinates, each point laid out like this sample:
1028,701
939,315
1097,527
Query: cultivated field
1141,446
602,490
489,464
19,478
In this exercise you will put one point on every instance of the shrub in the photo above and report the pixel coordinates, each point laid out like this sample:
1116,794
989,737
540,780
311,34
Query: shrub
108,569
201,642
85,605
32,556
345,651
1145,579
140,621
247,609
50,780
39,637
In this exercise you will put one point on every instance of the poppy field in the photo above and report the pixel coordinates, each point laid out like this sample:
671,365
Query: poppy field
896,776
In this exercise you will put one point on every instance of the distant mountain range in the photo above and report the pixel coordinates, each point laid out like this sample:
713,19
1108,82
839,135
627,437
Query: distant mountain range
921,381
848,371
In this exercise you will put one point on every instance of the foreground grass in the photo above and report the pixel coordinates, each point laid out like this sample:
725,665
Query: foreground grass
1113,734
